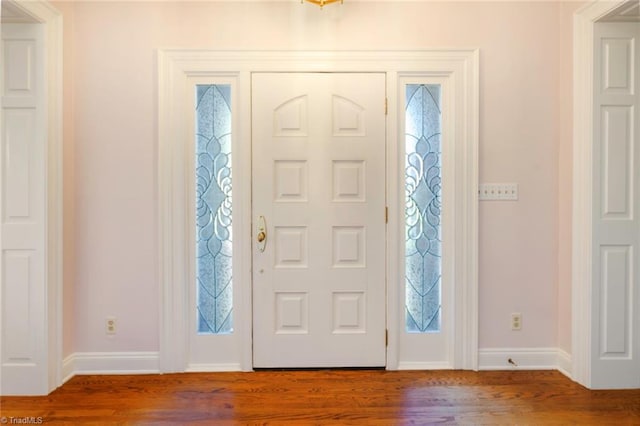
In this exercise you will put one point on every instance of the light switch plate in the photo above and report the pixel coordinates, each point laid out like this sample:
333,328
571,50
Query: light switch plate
498,191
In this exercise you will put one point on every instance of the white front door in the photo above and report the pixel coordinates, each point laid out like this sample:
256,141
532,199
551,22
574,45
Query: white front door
319,184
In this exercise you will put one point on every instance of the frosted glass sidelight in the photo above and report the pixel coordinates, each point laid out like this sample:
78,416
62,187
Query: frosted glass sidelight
214,292
423,181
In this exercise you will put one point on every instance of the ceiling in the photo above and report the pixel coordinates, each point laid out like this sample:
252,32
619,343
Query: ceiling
630,12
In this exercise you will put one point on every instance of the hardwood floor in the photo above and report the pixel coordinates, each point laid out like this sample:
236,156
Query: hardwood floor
371,397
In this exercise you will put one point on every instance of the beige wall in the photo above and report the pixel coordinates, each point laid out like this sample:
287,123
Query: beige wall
111,145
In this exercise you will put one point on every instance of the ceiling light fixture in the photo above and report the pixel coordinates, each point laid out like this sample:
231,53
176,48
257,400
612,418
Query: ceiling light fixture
321,3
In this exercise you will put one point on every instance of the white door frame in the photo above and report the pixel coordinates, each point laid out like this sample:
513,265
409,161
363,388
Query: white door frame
582,251
42,12
177,67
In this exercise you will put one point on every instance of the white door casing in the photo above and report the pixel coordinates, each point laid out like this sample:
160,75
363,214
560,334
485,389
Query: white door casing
616,207
319,182
177,67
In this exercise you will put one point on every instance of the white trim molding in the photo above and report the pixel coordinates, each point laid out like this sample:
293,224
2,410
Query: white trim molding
565,363
525,359
110,363
176,67
148,362
408,365
213,368
68,366
582,268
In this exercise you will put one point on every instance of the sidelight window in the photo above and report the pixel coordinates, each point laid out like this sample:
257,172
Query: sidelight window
423,181
214,292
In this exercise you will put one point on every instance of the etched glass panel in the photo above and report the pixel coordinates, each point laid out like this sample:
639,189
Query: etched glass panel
423,180
214,293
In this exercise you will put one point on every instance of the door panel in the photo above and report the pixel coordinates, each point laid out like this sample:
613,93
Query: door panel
319,181
23,201
616,235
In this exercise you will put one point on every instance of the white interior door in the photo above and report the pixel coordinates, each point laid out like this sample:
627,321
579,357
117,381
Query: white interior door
23,233
616,208
319,183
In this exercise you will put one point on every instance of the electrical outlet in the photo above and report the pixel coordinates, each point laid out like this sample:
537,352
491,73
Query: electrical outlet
110,325
516,321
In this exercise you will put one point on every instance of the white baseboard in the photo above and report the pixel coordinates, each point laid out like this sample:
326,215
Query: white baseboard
212,368
68,368
524,359
148,362
110,363
408,365
127,363
565,365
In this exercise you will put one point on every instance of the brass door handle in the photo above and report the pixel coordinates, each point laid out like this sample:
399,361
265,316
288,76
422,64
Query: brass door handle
262,233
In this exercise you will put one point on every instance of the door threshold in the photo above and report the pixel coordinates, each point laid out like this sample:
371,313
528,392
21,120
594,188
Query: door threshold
261,369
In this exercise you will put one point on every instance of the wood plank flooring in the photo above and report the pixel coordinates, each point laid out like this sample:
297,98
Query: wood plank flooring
369,397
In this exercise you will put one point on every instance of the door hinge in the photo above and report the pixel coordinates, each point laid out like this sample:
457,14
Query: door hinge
386,338
386,215
386,106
